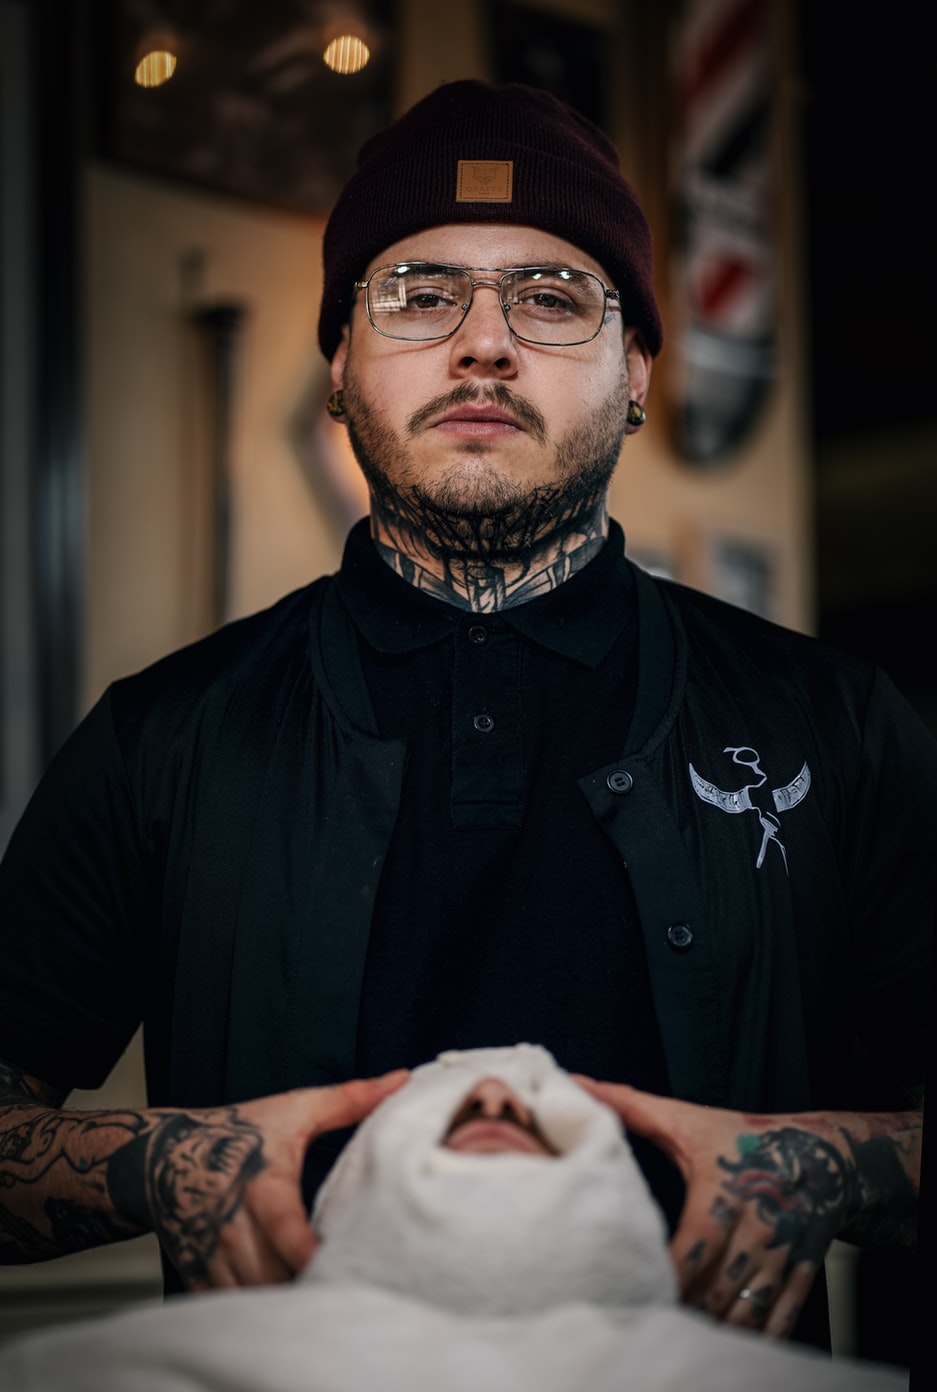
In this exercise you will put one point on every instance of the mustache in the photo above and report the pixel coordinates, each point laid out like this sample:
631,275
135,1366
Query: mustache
496,394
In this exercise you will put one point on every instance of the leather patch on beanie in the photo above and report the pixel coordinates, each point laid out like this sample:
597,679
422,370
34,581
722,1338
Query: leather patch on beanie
485,181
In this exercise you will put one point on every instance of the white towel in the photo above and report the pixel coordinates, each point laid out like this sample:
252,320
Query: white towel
493,1234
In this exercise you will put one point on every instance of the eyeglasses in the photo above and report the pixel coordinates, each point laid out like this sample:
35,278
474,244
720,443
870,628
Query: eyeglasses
424,300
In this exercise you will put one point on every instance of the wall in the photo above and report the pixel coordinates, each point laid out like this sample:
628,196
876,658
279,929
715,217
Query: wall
156,255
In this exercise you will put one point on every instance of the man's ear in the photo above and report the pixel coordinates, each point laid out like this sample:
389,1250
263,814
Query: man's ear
640,364
339,359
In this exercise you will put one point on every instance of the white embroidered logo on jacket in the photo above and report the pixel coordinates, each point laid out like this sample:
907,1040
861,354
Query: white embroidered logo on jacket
741,801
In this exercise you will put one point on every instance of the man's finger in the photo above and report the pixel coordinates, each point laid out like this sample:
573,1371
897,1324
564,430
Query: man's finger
276,1208
241,1260
786,1311
705,1232
734,1274
752,1306
249,1253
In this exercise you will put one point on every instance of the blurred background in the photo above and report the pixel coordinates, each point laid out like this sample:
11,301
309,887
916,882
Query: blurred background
166,462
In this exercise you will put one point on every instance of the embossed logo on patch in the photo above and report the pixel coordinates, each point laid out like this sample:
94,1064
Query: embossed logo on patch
485,181
741,800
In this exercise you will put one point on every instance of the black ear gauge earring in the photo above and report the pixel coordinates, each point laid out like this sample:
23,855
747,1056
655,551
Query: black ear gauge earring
336,405
636,414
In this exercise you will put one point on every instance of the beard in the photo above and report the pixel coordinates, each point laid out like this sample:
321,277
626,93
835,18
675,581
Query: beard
474,511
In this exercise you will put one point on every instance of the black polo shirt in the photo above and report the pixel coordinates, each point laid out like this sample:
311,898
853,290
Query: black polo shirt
503,914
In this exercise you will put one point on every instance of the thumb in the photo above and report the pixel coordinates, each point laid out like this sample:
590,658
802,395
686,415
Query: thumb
344,1104
642,1112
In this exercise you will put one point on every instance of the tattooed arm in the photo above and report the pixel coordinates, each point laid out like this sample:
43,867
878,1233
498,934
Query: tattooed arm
219,1186
766,1195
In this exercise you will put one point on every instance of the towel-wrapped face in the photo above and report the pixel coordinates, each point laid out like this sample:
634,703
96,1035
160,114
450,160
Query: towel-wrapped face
493,1233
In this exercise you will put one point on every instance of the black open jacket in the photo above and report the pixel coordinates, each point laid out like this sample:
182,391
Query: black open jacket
205,851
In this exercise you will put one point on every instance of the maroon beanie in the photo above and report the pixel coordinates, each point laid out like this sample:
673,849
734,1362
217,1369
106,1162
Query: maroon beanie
470,152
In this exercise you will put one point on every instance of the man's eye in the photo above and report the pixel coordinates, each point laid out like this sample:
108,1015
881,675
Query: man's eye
428,299
543,303
547,299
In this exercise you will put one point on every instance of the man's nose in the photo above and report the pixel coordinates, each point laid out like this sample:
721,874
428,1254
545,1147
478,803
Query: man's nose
484,339
493,1098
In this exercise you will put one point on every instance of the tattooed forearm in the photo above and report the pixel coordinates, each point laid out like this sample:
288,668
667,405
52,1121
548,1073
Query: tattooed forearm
888,1209
850,1176
71,1180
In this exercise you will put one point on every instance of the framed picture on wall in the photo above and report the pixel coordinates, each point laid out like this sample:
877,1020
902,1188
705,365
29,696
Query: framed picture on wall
744,573
741,569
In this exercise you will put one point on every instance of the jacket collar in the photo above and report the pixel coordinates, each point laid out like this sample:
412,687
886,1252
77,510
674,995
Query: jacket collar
581,619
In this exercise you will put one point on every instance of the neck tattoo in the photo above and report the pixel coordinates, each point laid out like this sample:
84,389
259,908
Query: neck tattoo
487,585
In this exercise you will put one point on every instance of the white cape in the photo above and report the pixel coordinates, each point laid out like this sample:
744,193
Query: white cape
354,1338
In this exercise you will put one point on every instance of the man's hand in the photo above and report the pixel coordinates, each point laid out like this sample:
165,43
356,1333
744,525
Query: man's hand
766,1195
221,1187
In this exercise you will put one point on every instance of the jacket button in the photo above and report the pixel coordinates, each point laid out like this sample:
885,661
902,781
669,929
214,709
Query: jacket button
484,722
680,936
478,634
620,781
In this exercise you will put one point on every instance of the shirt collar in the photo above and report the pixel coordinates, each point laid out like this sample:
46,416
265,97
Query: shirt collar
580,619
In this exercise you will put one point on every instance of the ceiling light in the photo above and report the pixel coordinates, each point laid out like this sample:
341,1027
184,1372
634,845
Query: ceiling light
155,68
346,54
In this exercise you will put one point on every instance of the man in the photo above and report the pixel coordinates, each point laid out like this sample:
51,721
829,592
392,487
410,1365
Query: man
491,782
487,1225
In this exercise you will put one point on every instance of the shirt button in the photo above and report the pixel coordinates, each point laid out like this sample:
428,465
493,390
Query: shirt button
620,781
484,722
680,937
478,634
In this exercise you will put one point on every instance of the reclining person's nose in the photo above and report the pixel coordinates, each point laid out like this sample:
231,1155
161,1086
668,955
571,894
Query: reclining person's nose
496,1099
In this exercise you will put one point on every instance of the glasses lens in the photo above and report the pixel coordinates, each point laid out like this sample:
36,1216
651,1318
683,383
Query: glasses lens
554,305
418,301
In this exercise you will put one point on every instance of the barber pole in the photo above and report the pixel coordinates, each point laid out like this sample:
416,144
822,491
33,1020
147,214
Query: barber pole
724,276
